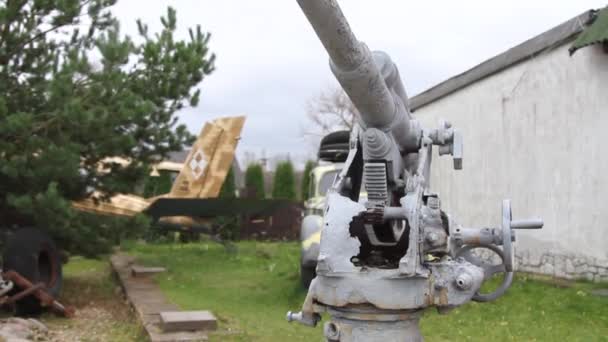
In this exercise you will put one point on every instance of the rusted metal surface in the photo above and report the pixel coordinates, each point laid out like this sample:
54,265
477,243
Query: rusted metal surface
24,293
38,291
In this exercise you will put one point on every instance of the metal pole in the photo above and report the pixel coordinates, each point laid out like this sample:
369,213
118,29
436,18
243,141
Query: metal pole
371,324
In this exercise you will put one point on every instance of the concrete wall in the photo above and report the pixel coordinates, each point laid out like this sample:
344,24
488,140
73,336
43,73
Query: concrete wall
535,133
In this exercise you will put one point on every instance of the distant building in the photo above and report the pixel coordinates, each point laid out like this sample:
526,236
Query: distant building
534,119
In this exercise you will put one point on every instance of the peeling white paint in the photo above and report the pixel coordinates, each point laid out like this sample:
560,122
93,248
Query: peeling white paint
337,245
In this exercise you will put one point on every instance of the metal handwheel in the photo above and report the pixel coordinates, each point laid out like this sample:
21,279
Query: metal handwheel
489,270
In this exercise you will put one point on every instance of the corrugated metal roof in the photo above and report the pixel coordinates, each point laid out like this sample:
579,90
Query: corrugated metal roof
557,36
596,33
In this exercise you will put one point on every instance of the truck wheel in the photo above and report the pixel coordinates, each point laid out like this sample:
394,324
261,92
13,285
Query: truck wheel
33,254
307,274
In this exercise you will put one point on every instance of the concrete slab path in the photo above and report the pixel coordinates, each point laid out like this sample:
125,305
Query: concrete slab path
148,301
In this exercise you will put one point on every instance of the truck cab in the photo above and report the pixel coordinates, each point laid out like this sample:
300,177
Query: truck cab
332,153
321,179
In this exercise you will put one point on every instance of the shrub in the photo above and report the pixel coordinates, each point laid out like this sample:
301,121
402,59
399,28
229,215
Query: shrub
284,184
254,180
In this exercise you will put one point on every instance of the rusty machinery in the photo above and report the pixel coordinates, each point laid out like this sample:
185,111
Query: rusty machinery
383,262
15,287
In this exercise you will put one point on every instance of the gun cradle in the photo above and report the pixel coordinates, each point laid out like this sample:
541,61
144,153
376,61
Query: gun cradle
382,262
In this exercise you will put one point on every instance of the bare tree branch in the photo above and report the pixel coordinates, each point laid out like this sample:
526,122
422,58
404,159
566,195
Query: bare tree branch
330,111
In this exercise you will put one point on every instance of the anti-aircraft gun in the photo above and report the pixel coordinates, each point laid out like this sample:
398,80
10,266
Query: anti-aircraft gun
381,264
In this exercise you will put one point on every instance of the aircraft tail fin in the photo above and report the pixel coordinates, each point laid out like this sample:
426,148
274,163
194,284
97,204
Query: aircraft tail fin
211,157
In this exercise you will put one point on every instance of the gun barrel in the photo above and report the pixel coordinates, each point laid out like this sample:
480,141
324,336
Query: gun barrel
357,70
335,34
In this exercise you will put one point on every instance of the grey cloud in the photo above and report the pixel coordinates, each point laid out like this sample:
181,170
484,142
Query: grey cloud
269,61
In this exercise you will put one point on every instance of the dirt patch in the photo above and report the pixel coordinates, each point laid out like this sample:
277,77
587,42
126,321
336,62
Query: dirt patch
20,329
102,313
91,324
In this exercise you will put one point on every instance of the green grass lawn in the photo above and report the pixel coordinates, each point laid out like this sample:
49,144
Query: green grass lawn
251,289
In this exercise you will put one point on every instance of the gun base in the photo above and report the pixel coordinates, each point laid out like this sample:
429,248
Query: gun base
356,323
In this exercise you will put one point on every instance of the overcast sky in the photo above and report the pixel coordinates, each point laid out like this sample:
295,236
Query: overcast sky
270,62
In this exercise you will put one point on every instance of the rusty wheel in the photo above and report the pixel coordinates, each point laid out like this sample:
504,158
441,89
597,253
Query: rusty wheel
33,254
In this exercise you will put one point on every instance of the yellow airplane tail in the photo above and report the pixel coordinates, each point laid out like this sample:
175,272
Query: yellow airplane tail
210,158
201,176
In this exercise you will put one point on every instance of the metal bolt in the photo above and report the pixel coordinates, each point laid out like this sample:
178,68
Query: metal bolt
432,238
293,316
464,281
331,332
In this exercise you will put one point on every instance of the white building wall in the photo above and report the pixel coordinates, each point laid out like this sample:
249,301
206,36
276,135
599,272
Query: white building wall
535,133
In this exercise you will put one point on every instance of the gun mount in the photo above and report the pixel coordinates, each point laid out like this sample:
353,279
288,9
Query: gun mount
382,263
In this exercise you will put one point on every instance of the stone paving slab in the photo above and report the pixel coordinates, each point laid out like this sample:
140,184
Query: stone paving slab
142,271
139,284
187,320
600,292
148,301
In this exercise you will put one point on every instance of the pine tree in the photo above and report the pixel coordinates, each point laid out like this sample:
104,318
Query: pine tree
305,186
158,185
229,225
75,91
228,189
284,184
254,180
